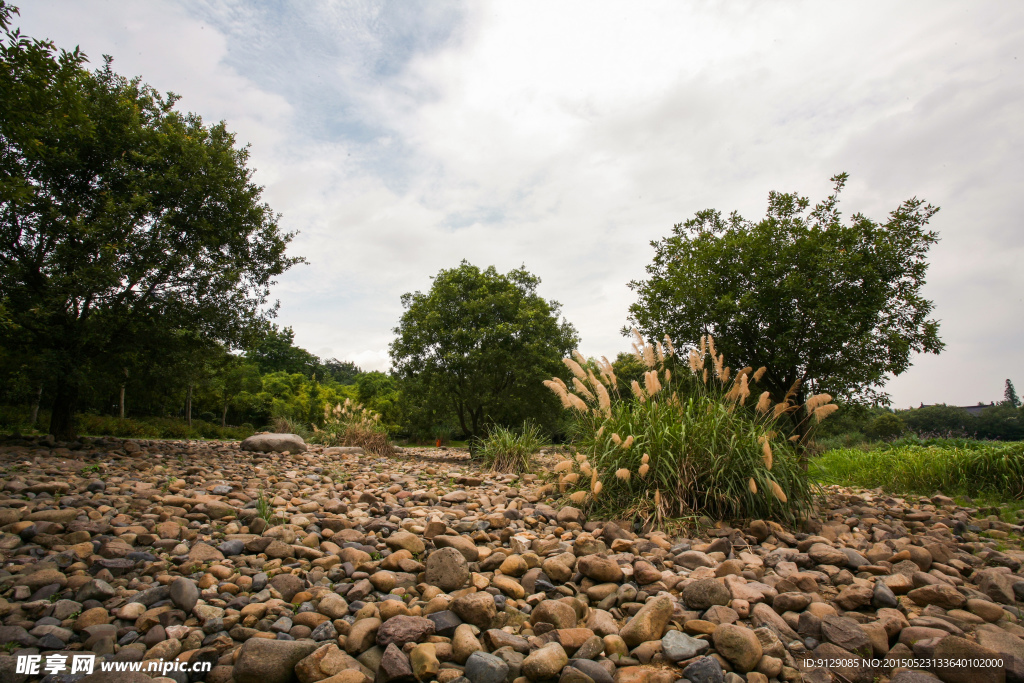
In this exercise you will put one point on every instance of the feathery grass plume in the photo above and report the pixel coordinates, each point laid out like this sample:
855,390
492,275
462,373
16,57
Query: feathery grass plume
718,362
581,388
616,439
745,371
593,478
651,382
777,491
792,390
644,469
794,438
580,457
575,368
586,469
668,345
766,448
780,409
578,497
657,498
703,346
577,403
637,353
726,373
821,412
622,473
608,372
604,400
764,402
600,432
711,346
563,466
559,391
744,392
668,375
752,485
705,375
645,459
580,358
597,488
628,442
637,391
649,356
817,400
692,358
660,351
760,373
571,478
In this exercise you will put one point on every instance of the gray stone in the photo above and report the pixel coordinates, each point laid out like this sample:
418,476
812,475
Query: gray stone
678,646
184,593
274,443
447,569
485,668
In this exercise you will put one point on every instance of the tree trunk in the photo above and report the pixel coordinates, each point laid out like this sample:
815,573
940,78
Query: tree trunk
62,417
188,406
121,398
224,417
34,415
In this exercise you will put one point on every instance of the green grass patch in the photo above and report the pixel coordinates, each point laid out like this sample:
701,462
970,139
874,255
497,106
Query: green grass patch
961,468
509,450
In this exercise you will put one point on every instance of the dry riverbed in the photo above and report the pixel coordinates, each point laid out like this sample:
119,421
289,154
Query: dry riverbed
423,567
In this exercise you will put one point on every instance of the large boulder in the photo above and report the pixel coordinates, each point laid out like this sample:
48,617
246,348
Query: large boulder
270,661
274,443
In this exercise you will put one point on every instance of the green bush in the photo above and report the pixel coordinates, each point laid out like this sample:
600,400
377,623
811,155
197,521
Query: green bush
971,469
886,427
683,444
158,428
507,450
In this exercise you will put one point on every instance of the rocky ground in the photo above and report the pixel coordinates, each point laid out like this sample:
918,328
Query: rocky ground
410,569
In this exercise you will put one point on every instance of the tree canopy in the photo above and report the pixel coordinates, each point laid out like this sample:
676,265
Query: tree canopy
121,219
836,305
478,345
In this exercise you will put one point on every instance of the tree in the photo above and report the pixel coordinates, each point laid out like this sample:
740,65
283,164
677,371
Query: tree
836,307
1010,395
480,343
119,216
275,351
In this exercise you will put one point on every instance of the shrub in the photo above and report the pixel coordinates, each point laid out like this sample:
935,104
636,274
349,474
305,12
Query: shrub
507,450
350,424
682,444
886,426
970,469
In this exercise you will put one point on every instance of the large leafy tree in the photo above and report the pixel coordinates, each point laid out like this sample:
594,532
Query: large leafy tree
479,344
119,216
836,305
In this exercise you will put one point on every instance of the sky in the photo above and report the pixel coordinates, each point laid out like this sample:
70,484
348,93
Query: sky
399,138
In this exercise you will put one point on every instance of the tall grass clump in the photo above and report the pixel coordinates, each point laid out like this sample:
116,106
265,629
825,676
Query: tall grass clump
967,468
692,439
508,450
350,424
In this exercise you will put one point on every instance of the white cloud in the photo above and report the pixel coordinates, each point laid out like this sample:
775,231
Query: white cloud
565,136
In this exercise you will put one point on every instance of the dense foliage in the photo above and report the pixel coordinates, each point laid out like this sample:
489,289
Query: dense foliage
124,223
474,349
834,305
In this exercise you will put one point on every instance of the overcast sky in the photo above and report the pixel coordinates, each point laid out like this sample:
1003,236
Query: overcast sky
400,138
